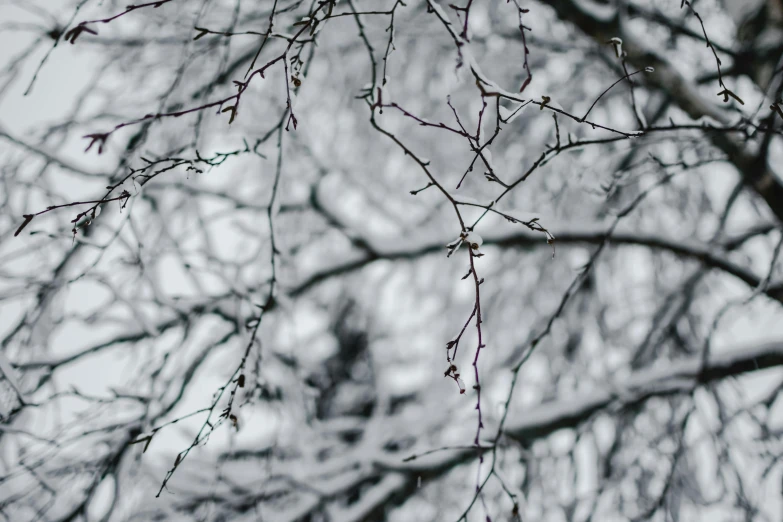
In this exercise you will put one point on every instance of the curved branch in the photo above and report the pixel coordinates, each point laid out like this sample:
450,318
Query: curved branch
406,249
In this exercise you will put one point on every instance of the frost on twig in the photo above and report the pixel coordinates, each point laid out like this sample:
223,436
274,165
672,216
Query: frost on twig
472,239
617,43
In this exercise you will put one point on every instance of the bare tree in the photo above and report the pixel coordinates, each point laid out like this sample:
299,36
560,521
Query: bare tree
385,260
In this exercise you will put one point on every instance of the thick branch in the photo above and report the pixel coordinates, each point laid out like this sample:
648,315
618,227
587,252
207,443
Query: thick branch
674,378
407,249
602,23
539,422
